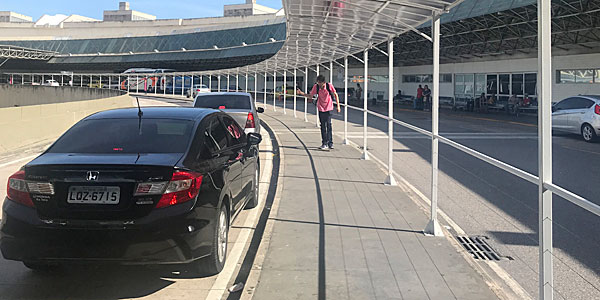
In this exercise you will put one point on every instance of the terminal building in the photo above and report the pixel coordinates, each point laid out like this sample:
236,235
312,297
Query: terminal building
486,47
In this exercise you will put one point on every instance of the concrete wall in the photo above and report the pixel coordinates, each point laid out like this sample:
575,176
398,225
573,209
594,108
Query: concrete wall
12,95
28,125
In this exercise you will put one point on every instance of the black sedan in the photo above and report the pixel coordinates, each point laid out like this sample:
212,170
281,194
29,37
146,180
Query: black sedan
129,186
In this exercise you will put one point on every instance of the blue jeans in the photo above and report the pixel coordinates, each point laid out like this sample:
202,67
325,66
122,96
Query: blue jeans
326,134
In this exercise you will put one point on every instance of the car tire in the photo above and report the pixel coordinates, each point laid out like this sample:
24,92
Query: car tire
253,202
40,266
214,263
588,133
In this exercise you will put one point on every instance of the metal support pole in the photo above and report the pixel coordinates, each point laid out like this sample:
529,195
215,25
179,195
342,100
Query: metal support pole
274,91
137,84
219,83
192,86
365,154
284,91
390,180
306,91
155,84
109,78
433,227
346,100
173,85
316,107
295,93
227,89
210,82
237,82
182,84
22,79
546,281
246,82
128,83
265,92
91,80
255,86
100,82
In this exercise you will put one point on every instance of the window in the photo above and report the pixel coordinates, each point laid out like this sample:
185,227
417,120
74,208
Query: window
581,103
236,134
504,84
126,136
223,101
215,136
569,103
517,84
425,78
578,76
480,84
492,84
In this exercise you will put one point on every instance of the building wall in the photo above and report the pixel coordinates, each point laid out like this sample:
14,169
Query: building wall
529,65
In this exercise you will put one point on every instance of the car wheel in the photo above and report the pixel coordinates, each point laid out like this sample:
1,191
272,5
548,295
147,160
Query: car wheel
40,266
588,133
253,202
213,264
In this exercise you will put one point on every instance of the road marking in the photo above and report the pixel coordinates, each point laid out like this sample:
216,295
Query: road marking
219,287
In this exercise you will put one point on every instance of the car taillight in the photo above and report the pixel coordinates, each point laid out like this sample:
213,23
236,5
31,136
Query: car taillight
597,109
250,121
16,189
183,187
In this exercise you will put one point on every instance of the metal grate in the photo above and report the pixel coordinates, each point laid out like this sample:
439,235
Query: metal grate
479,248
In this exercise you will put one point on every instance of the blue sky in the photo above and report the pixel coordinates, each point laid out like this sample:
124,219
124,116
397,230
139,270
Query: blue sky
163,9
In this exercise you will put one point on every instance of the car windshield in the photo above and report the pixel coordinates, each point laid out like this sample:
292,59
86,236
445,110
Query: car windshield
126,136
223,102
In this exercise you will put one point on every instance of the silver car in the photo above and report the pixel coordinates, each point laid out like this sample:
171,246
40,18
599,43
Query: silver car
238,105
579,115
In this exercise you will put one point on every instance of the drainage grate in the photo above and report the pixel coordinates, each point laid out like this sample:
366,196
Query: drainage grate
478,247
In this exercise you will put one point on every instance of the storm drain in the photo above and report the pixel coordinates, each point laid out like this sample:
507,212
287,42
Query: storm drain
479,248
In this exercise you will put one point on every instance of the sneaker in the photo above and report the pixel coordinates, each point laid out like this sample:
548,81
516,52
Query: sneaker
324,147
330,146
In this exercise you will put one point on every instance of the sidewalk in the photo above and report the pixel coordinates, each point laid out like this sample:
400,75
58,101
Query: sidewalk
339,233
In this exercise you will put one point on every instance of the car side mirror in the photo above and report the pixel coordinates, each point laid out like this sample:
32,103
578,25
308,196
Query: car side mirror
554,109
254,138
260,110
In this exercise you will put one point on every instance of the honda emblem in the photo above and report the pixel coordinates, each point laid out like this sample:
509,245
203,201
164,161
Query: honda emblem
92,175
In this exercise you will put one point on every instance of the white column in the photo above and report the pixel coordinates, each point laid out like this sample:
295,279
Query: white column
156,80
295,92
365,154
306,91
346,100
284,91
182,84
128,83
390,178
192,86
100,82
433,227
237,82
219,83
274,90
265,92
255,86
23,79
546,281
173,85
137,84
227,89
246,82
316,109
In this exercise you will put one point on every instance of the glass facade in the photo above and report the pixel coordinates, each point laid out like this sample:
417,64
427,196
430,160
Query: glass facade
578,76
190,41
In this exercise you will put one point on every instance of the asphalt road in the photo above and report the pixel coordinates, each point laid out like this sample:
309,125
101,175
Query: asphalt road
484,200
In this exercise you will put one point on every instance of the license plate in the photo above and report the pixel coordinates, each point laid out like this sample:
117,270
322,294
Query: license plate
94,195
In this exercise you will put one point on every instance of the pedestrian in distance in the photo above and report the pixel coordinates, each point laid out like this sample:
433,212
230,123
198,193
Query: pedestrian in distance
419,99
325,94
427,97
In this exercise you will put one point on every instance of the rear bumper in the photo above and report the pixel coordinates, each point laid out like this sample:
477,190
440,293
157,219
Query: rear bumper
180,239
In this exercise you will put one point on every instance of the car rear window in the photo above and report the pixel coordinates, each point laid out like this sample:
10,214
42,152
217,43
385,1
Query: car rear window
126,136
223,102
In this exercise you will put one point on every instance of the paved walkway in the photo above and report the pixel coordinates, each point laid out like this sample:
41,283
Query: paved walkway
339,233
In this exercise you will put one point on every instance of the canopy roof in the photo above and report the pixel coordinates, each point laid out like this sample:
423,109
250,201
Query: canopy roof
320,31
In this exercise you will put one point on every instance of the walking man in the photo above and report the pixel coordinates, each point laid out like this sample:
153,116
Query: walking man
325,93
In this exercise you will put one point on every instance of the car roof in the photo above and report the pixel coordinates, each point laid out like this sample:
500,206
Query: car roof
225,94
594,97
156,112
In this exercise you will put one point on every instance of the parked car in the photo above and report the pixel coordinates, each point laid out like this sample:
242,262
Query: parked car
240,106
197,89
158,187
51,82
578,115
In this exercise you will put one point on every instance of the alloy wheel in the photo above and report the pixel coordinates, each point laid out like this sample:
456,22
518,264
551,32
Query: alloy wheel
587,133
222,236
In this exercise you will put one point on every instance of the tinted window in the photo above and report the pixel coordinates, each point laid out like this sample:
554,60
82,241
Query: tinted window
568,103
215,135
126,136
235,133
223,102
583,103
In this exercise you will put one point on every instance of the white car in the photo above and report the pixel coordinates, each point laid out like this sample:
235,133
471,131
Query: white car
51,82
578,115
197,89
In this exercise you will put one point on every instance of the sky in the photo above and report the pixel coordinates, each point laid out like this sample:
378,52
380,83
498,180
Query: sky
162,9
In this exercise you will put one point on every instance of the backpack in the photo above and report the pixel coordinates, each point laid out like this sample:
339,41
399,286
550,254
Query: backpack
328,89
